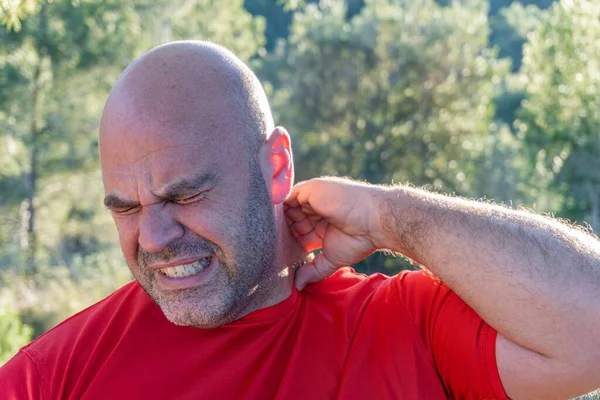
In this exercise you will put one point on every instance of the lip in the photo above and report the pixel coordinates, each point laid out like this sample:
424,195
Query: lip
186,282
181,261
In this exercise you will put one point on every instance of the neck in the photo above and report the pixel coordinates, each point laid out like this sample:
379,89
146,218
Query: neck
289,255
278,283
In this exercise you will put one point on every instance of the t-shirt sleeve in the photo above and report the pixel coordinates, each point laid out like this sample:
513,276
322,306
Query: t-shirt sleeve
463,346
20,379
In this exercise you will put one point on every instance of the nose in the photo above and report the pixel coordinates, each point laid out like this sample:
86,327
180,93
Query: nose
157,228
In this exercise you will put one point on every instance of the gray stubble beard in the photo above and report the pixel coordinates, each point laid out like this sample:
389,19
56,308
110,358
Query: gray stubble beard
246,280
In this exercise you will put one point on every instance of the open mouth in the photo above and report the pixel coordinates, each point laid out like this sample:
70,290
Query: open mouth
182,271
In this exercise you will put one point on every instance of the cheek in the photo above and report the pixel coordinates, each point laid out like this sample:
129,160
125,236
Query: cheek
128,233
215,222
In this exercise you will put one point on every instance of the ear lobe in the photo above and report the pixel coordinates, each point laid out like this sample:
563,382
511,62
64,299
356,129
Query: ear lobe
281,165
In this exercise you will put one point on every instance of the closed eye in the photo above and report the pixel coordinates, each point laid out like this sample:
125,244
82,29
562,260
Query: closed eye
125,211
191,199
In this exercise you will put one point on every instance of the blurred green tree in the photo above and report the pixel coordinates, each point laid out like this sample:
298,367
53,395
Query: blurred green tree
277,19
400,92
384,90
14,333
47,105
12,12
560,118
496,6
510,23
509,29
225,22
58,246
55,73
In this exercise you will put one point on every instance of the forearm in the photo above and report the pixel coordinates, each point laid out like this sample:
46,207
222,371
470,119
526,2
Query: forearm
532,278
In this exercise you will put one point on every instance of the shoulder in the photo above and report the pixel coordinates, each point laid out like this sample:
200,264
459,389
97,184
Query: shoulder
409,294
345,294
346,283
21,380
403,301
71,354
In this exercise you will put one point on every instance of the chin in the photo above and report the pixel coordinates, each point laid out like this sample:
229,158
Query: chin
199,324
202,316
195,321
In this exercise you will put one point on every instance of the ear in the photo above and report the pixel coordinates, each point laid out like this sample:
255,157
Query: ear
277,165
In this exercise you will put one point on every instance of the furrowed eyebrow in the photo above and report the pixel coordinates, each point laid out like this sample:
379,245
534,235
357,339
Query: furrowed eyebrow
183,186
173,190
113,201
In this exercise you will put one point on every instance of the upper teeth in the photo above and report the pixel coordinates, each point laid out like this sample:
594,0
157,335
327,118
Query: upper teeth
180,271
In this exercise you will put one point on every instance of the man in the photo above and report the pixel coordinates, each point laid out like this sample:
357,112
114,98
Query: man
199,182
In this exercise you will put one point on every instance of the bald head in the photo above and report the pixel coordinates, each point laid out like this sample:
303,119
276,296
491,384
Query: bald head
190,84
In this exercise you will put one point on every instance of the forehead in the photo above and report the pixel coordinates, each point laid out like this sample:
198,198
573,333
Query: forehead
161,143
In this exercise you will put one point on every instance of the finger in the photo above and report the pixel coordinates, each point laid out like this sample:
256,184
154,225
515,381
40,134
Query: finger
302,227
314,219
300,193
288,221
290,224
321,227
310,242
307,209
295,214
315,271
292,199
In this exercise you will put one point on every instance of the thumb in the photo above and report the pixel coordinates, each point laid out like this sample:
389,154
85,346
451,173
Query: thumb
314,271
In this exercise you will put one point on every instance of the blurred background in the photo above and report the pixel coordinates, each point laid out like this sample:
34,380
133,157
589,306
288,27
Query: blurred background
482,98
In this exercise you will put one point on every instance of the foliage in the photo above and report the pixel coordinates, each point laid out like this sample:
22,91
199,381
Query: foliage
55,74
57,68
12,12
418,91
510,28
400,92
277,19
67,287
222,21
497,6
560,118
13,333
408,81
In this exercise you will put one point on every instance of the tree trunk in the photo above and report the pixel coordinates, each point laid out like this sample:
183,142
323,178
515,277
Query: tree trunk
31,178
34,133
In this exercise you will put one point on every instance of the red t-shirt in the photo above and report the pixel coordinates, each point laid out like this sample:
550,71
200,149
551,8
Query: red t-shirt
348,337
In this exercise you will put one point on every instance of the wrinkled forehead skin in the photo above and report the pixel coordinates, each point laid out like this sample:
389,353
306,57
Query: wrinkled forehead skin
178,98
